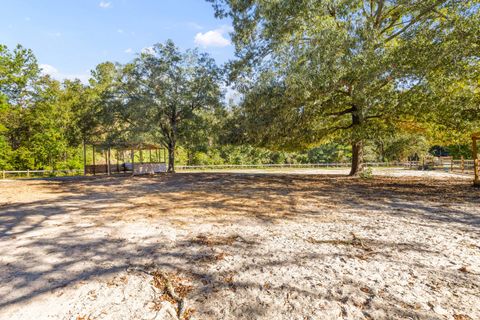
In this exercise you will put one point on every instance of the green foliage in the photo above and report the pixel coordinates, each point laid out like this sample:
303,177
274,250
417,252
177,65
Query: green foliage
397,77
399,147
18,72
164,94
37,125
207,158
458,151
5,154
367,173
330,152
312,71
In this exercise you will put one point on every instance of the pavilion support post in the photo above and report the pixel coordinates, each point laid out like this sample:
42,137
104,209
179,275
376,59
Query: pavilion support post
108,161
133,162
84,158
93,159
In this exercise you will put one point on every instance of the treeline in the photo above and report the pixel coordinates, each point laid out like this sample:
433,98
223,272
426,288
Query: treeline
363,81
44,122
37,115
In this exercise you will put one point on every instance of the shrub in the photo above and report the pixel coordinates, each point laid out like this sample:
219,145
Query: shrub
366,173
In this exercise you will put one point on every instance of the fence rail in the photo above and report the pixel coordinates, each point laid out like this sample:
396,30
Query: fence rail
406,164
457,166
37,173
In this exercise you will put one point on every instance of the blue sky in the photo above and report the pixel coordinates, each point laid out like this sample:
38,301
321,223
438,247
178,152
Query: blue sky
69,38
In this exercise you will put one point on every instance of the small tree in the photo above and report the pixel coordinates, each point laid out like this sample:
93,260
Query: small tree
162,89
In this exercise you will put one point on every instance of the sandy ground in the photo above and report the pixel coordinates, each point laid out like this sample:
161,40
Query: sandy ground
387,172
251,245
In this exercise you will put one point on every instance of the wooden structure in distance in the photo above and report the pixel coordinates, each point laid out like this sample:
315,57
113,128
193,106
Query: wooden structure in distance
476,160
121,150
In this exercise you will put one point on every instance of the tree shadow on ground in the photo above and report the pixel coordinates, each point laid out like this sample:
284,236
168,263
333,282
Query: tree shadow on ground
58,242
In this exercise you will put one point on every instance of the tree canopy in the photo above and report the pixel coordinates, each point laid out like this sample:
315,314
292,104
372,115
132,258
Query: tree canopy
392,79
312,70
160,94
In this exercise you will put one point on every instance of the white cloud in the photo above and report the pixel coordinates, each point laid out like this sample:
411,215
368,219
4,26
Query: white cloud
213,38
148,50
27,19
48,69
120,31
105,4
194,25
129,50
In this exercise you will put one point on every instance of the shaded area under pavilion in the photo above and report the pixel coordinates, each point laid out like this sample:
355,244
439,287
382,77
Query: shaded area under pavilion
133,158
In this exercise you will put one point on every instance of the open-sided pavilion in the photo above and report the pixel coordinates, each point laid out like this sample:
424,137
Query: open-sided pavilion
134,158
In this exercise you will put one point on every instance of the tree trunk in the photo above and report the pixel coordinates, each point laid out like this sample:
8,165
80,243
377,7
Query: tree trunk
172,142
357,158
357,144
189,157
171,157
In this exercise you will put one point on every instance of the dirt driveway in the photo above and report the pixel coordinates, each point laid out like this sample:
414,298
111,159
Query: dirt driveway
240,246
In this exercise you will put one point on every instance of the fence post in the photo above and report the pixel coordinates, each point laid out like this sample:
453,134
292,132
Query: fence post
3,174
28,173
463,165
451,165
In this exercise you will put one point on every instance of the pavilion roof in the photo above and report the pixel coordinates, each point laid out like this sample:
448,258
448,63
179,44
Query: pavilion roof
124,145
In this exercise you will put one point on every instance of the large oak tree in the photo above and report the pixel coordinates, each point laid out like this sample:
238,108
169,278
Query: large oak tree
313,69
163,90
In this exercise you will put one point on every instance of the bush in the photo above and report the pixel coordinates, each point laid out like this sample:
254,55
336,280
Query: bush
366,173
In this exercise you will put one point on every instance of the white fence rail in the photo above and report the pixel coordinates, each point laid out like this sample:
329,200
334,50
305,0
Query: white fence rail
35,173
409,164
458,166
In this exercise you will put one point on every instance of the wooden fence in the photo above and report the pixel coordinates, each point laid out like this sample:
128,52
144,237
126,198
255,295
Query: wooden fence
449,165
454,166
326,165
38,173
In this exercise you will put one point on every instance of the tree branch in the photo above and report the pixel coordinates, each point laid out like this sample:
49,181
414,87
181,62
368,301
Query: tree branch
378,13
334,129
415,20
341,113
